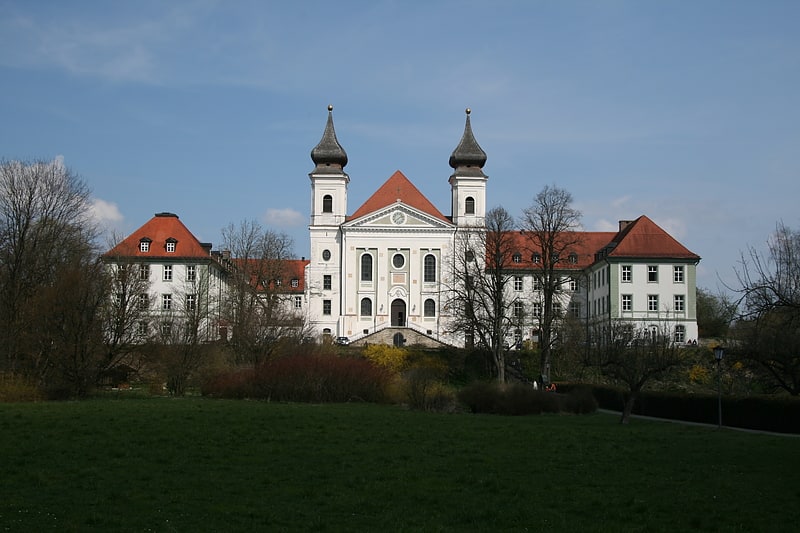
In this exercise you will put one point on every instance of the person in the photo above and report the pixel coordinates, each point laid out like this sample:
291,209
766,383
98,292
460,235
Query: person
551,388
535,385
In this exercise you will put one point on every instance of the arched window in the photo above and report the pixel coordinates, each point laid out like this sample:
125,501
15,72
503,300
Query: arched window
469,205
366,307
366,267
327,204
429,308
429,274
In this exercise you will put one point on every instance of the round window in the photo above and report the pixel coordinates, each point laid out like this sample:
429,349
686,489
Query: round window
398,260
326,255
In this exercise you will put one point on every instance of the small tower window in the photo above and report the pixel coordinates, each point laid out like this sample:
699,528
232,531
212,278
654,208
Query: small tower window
327,204
469,205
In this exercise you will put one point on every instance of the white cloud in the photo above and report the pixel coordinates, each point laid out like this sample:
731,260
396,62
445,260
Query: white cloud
104,212
284,218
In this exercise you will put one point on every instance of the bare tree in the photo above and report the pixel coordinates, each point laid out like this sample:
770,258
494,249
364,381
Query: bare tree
479,298
551,227
769,326
181,339
258,305
45,231
634,356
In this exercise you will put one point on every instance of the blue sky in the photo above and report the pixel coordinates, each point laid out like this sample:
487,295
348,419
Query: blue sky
686,111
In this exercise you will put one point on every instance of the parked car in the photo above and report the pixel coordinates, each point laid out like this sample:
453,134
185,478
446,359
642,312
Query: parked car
342,341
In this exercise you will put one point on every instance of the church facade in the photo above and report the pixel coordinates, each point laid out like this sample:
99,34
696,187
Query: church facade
387,265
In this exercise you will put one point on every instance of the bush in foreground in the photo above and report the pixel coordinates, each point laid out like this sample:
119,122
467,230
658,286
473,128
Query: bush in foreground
307,378
518,399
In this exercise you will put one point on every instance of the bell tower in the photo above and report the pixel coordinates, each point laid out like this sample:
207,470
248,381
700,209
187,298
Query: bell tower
468,182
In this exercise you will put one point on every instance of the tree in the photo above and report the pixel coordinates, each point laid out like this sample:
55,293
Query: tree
715,313
769,325
479,299
45,235
551,227
257,305
633,357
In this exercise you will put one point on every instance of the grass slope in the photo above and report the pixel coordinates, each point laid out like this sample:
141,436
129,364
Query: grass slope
202,465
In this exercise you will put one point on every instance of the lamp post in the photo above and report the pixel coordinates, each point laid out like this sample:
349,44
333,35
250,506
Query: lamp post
719,353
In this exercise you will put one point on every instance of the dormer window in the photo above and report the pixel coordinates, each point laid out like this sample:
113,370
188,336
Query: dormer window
573,258
144,245
537,257
171,244
517,258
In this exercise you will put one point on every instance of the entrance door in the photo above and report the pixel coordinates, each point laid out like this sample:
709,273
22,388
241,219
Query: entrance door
398,313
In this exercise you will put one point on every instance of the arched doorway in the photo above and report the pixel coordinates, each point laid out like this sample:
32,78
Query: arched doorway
398,313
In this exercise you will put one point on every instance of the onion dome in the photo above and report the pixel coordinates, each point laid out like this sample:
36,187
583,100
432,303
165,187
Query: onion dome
468,158
329,153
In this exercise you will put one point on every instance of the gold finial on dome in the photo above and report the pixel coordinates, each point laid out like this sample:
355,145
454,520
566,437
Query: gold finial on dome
330,107
469,111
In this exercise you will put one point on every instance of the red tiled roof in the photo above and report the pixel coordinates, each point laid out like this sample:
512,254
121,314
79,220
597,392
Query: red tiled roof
397,187
587,245
294,269
644,238
159,229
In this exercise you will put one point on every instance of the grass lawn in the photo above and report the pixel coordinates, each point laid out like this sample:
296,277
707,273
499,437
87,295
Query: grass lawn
210,465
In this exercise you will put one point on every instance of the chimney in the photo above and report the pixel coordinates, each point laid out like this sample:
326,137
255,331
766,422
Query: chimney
624,224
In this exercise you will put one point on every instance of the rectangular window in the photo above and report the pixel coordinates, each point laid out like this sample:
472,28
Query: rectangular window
295,283
191,302
144,302
517,283
327,282
517,309
627,273
326,307
170,247
167,272
144,246
575,309
144,272
537,309
573,285
166,302
627,302
298,302
556,309
652,274
191,273
679,303
680,333
142,329
537,283
677,274
652,302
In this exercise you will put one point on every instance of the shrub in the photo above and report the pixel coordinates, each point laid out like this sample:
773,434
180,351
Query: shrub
518,399
392,358
423,390
312,378
14,388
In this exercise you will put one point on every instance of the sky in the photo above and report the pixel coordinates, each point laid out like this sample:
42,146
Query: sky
685,111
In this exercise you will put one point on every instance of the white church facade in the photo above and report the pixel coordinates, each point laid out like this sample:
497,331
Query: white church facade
386,264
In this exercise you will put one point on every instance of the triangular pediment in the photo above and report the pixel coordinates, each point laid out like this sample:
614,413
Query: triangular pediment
398,216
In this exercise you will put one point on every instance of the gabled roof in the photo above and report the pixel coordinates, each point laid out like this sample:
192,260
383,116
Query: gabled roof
398,188
644,238
162,228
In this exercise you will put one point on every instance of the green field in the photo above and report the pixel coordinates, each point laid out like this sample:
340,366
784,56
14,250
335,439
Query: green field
204,465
